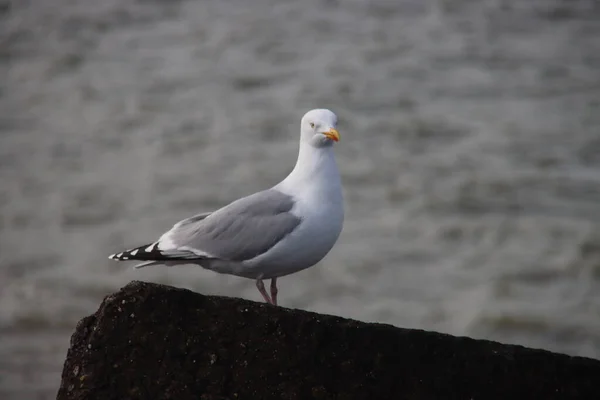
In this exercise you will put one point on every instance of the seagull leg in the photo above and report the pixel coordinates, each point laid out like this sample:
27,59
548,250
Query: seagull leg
274,291
261,288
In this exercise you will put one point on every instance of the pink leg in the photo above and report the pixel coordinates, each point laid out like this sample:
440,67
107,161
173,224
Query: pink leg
261,288
274,291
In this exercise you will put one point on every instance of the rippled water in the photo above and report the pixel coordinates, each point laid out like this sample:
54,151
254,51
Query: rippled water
470,156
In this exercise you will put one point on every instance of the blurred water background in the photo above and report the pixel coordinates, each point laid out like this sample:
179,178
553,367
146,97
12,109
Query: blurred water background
470,157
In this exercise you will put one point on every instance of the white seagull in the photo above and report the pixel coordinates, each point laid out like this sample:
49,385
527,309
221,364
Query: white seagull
269,234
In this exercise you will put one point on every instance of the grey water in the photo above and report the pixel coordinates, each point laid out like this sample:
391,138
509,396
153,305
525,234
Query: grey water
470,157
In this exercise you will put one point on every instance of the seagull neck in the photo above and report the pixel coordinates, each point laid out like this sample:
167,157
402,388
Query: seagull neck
314,163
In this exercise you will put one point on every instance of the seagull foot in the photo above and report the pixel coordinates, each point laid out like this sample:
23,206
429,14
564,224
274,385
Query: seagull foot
261,288
274,291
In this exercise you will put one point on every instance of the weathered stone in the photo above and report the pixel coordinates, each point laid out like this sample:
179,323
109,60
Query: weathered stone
150,341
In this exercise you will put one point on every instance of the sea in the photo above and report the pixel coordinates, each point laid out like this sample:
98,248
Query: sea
469,154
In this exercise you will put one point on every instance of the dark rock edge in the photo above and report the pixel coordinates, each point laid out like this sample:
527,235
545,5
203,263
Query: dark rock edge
150,341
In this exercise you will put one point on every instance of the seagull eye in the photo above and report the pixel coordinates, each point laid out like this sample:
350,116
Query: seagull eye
312,124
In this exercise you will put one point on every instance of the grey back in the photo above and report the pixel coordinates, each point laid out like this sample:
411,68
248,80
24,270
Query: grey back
241,230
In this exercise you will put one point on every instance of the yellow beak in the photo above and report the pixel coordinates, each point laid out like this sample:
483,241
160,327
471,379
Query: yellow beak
332,134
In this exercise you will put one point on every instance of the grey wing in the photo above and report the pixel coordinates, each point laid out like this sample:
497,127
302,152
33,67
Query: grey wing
240,231
154,254
191,220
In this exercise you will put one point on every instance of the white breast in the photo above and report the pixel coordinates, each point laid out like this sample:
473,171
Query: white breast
317,191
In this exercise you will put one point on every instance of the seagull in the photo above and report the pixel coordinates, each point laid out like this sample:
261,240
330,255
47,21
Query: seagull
269,234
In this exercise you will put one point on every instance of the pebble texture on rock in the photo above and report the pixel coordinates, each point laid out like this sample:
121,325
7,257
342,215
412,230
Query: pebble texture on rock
151,341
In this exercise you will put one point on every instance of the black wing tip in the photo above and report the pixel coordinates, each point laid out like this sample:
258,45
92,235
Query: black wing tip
138,253
151,252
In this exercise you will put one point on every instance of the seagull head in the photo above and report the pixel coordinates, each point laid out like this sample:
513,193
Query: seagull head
318,128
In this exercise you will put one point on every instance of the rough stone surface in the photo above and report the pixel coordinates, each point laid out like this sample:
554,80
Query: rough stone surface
150,341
